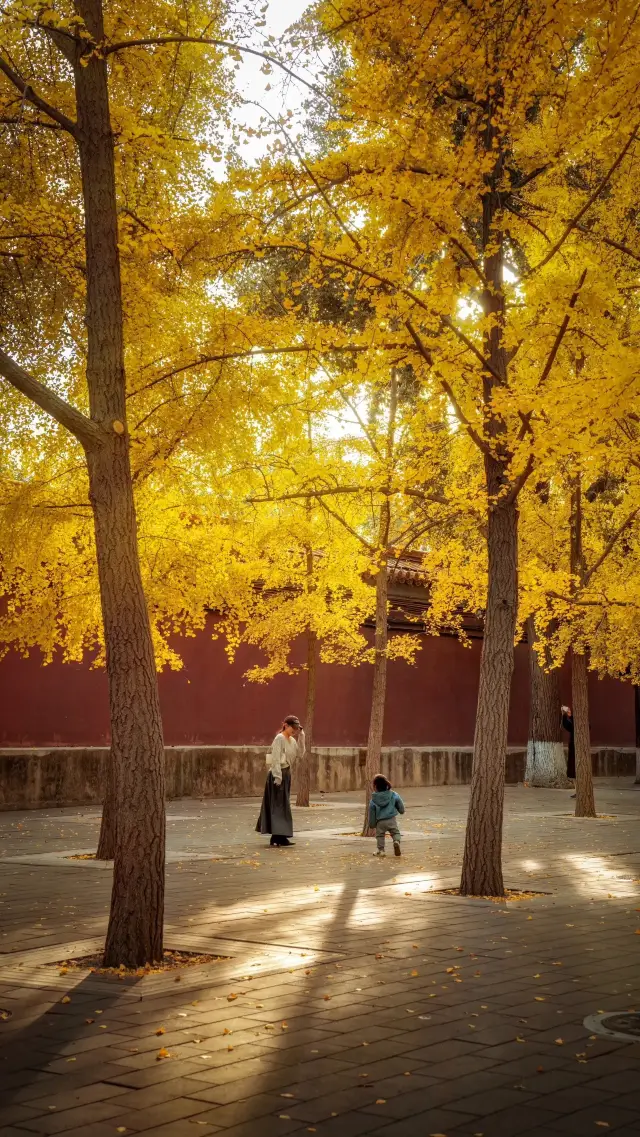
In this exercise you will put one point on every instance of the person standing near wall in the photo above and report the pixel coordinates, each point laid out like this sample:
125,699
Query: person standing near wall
567,724
275,815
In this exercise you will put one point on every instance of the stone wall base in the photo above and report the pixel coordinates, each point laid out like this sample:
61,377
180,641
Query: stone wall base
37,779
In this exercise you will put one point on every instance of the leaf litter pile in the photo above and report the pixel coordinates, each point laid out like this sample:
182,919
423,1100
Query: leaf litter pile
171,961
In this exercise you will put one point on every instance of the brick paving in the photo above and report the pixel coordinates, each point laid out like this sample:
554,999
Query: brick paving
365,1001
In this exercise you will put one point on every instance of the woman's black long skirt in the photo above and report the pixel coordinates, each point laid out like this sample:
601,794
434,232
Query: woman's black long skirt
275,815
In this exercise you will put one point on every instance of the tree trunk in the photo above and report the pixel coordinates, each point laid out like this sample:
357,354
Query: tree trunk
482,862
107,839
585,803
379,690
304,766
636,706
546,765
134,935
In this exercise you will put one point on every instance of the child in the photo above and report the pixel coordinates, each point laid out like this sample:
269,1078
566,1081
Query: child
383,809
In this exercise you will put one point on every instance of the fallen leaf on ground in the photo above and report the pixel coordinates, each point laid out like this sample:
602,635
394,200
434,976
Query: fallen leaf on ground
162,1053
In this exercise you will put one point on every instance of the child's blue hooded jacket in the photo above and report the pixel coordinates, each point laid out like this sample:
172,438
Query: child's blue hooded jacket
384,805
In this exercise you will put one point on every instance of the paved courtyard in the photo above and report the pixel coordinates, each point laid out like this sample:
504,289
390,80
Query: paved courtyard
353,996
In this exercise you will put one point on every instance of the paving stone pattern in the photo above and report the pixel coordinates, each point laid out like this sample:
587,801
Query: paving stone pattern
364,1000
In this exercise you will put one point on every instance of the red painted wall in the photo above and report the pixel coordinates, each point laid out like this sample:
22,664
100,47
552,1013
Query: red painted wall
209,702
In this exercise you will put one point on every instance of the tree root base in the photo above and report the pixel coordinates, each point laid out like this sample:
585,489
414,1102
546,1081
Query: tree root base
509,894
171,961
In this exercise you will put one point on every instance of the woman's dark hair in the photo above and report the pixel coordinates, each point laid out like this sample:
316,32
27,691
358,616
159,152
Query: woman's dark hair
381,783
292,720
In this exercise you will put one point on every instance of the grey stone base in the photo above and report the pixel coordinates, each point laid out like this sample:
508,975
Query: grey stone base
59,776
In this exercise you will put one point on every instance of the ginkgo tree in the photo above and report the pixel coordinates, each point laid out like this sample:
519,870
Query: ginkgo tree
110,120
309,585
581,573
477,197
378,486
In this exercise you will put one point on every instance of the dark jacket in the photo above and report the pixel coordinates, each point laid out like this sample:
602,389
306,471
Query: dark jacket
567,724
384,805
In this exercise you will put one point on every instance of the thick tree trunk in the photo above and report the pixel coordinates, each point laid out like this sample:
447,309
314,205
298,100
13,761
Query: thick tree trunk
482,863
636,706
303,770
107,839
379,690
546,765
585,803
134,934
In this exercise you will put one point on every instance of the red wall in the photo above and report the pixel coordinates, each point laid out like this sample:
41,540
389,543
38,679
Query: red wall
208,702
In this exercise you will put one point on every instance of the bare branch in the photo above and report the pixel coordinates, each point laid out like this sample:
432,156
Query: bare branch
28,93
85,430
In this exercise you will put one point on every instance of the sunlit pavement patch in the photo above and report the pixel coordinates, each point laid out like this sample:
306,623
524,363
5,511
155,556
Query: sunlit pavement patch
238,961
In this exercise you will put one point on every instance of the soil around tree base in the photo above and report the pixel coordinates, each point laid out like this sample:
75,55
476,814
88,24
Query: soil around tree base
171,961
509,894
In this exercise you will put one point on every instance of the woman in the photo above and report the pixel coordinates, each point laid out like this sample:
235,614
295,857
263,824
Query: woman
275,816
567,724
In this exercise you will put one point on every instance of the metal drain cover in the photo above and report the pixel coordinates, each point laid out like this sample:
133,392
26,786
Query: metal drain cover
623,1025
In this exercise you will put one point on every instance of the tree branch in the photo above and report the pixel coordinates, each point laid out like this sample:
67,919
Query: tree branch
521,479
28,123
460,415
306,494
608,241
345,525
609,547
157,41
28,93
85,430
587,206
248,353
561,332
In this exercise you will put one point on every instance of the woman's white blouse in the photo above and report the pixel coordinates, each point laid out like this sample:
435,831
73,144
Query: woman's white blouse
284,752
